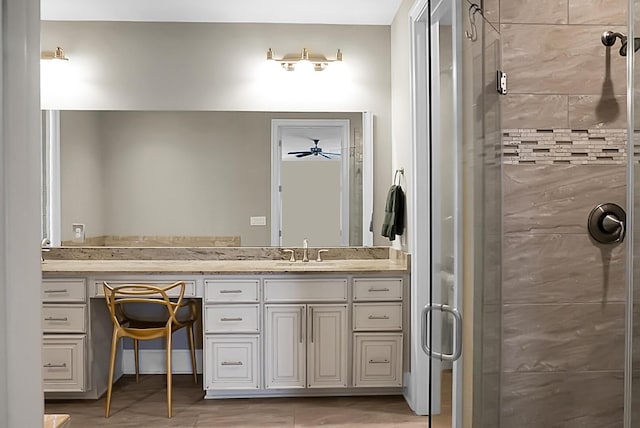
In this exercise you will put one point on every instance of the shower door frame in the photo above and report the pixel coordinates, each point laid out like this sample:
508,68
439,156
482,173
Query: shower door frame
629,307
423,118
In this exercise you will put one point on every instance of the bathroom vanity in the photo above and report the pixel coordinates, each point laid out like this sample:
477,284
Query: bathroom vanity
269,327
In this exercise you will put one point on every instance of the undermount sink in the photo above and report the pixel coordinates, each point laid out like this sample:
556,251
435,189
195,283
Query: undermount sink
309,264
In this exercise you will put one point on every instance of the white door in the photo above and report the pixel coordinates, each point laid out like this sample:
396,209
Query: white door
327,346
285,343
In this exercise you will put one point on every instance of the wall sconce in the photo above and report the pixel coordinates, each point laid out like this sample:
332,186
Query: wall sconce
291,62
57,54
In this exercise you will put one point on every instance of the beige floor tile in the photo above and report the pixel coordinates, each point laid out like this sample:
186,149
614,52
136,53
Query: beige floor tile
144,405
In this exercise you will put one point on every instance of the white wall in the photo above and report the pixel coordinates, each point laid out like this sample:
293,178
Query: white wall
195,66
311,202
21,397
401,156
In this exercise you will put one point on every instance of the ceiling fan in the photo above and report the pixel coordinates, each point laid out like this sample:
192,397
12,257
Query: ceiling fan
315,151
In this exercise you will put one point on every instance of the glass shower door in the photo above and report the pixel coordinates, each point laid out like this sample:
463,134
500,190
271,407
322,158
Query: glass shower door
632,362
483,161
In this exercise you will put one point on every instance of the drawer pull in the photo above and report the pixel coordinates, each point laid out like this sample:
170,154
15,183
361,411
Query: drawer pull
373,289
230,319
231,363
56,319
230,291
55,366
378,317
378,361
56,291
301,318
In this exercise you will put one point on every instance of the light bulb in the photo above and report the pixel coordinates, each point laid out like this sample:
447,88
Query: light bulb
304,66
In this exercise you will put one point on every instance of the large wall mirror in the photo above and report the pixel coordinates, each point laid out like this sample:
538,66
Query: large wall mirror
186,178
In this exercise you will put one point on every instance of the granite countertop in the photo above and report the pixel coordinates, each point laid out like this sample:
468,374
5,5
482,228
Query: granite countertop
222,266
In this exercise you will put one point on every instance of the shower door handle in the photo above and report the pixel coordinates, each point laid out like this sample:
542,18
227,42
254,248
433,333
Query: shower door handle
457,329
607,223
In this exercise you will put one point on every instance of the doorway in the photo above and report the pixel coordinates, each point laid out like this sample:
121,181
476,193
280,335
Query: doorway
310,190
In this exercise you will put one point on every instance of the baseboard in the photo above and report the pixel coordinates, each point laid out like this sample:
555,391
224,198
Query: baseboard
153,361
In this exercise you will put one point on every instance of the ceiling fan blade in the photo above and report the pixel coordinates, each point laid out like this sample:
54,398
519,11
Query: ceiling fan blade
297,153
334,154
325,156
303,154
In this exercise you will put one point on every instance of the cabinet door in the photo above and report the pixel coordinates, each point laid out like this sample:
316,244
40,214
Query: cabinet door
63,362
285,346
231,362
327,346
378,359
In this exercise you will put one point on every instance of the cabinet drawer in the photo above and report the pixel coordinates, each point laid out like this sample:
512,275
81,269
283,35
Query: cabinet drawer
378,360
231,319
64,290
63,363
377,316
377,289
189,289
305,290
231,290
61,318
232,362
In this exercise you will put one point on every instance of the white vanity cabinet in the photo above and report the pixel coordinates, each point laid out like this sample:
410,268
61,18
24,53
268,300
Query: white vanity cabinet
306,343
377,338
306,346
64,340
231,320
264,333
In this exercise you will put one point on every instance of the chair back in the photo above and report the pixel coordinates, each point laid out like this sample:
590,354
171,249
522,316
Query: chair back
118,297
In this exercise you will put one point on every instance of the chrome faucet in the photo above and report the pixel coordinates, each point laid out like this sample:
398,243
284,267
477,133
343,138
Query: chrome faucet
305,250
44,246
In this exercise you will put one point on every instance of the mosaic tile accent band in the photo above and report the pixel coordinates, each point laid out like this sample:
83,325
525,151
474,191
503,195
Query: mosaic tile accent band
566,146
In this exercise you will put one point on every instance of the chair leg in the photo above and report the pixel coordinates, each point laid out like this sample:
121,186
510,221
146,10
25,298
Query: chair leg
192,347
137,359
112,364
169,383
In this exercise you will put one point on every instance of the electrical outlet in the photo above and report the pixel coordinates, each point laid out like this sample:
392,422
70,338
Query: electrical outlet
258,221
78,232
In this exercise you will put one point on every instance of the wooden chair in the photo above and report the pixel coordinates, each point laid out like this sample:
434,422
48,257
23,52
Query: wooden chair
178,315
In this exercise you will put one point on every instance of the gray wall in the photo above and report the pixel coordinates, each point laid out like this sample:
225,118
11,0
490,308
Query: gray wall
562,293
196,66
82,167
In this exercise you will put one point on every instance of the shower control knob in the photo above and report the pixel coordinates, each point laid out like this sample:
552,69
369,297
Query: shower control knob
606,223
611,223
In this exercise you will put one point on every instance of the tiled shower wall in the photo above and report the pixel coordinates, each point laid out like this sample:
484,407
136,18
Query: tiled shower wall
564,139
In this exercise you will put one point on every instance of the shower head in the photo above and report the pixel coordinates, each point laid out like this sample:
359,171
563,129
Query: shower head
608,38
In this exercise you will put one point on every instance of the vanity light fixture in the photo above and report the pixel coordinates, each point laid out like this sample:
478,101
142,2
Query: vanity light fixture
291,62
57,54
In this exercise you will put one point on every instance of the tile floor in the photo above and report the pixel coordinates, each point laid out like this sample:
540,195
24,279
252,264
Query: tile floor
144,405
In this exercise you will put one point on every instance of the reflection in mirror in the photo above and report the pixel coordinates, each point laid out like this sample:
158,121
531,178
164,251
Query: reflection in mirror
175,178
311,168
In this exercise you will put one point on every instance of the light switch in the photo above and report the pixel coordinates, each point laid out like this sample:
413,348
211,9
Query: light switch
258,221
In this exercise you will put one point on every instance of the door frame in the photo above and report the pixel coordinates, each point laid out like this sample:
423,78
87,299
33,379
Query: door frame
277,127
